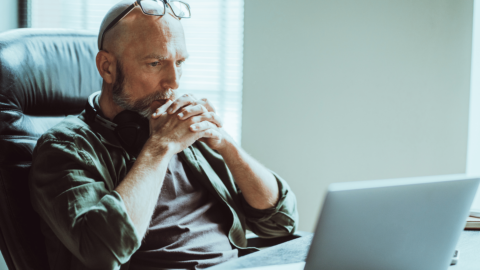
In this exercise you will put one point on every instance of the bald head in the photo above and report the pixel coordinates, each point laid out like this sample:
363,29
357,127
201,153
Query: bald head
137,28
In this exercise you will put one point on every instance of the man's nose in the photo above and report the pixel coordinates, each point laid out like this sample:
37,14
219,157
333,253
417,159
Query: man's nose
171,77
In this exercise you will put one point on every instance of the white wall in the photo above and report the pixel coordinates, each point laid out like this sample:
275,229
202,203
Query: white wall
8,15
339,90
3,265
473,154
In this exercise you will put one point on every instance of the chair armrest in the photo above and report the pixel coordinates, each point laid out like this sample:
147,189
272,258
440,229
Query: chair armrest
254,240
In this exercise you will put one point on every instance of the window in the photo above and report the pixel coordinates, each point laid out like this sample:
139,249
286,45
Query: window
214,38
473,146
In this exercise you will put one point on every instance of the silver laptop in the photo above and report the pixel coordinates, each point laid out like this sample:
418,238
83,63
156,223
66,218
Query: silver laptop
404,224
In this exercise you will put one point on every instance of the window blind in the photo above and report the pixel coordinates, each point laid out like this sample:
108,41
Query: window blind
214,37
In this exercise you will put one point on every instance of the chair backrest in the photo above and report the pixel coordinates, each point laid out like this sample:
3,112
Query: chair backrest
45,75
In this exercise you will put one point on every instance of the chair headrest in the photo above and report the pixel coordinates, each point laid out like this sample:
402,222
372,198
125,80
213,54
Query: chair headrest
45,74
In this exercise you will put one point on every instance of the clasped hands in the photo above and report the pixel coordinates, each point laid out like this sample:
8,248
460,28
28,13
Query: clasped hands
178,124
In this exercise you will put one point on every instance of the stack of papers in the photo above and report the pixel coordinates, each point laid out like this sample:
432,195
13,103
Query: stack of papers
475,213
473,221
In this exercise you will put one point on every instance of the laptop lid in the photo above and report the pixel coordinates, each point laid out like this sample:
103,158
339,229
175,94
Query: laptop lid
411,223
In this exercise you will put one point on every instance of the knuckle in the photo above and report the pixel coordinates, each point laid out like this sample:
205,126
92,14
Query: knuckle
217,119
191,120
204,101
189,96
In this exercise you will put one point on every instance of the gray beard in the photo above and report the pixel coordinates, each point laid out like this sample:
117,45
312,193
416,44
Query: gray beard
141,106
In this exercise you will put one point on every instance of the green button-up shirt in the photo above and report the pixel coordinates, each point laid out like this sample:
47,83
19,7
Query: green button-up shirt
76,167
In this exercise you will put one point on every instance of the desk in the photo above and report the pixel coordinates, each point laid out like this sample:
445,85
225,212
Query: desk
296,251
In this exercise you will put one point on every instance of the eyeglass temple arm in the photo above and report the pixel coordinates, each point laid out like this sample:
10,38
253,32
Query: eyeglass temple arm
116,20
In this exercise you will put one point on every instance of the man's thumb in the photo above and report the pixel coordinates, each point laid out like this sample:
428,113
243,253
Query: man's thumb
161,109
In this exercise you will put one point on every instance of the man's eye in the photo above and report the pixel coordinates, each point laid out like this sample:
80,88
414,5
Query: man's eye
154,64
179,63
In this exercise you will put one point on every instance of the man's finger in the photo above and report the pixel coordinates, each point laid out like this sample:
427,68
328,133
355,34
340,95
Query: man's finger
192,110
181,102
202,126
209,133
161,109
206,104
210,117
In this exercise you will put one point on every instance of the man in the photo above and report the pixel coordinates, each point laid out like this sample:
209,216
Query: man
184,199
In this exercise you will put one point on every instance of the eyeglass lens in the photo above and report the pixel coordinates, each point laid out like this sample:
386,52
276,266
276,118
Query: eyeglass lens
180,9
153,7
157,7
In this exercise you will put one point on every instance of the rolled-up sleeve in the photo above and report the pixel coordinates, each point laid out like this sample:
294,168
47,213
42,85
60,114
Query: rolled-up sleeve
277,221
69,193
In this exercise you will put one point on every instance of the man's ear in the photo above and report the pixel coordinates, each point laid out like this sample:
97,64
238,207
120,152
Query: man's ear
106,66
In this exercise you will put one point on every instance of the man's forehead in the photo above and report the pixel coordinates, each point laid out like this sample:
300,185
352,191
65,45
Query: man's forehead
162,57
159,37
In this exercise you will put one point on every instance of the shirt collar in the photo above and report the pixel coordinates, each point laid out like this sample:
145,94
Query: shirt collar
106,135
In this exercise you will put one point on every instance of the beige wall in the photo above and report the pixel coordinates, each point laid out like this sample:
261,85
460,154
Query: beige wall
353,90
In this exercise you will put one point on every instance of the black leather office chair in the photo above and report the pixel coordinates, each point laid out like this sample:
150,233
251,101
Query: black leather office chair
45,75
